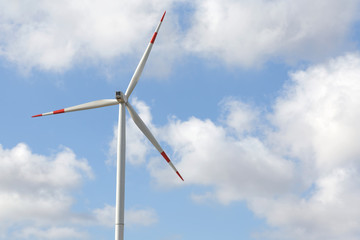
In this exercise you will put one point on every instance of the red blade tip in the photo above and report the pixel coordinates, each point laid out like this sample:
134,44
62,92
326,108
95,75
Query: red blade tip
39,115
180,176
163,16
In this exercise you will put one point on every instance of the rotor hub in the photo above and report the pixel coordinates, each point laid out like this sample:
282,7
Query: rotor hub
120,97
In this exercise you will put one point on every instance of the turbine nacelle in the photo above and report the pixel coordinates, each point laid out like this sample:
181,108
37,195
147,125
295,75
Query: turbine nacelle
121,97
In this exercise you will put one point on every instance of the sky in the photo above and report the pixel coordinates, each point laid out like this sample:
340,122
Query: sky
256,103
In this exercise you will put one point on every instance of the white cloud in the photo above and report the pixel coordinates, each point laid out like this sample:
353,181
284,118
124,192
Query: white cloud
317,122
35,190
329,212
55,36
211,155
322,104
299,170
241,117
36,197
247,33
105,216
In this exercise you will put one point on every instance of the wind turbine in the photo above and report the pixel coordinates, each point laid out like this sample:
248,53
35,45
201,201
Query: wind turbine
121,99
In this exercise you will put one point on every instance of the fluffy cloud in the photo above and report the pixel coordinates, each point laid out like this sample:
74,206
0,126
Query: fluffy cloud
298,168
321,103
35,191
36,197
247,33
54,36
211,156
317,126
328,211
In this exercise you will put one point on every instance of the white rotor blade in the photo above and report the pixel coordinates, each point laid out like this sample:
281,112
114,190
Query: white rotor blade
149,135
89,105
141,65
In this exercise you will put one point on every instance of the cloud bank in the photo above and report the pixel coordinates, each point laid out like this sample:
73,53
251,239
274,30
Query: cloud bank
36,197
298,168
55,36
36,193
248,33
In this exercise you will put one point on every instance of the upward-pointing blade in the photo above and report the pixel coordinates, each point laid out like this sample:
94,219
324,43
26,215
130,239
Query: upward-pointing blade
89,105
141,65
149,135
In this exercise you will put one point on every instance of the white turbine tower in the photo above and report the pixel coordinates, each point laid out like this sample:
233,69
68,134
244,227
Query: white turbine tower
122,100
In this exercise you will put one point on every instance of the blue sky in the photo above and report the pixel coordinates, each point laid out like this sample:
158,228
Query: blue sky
255,102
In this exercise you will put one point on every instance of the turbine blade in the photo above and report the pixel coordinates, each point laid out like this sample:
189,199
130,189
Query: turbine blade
149,135
89,105
141,65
